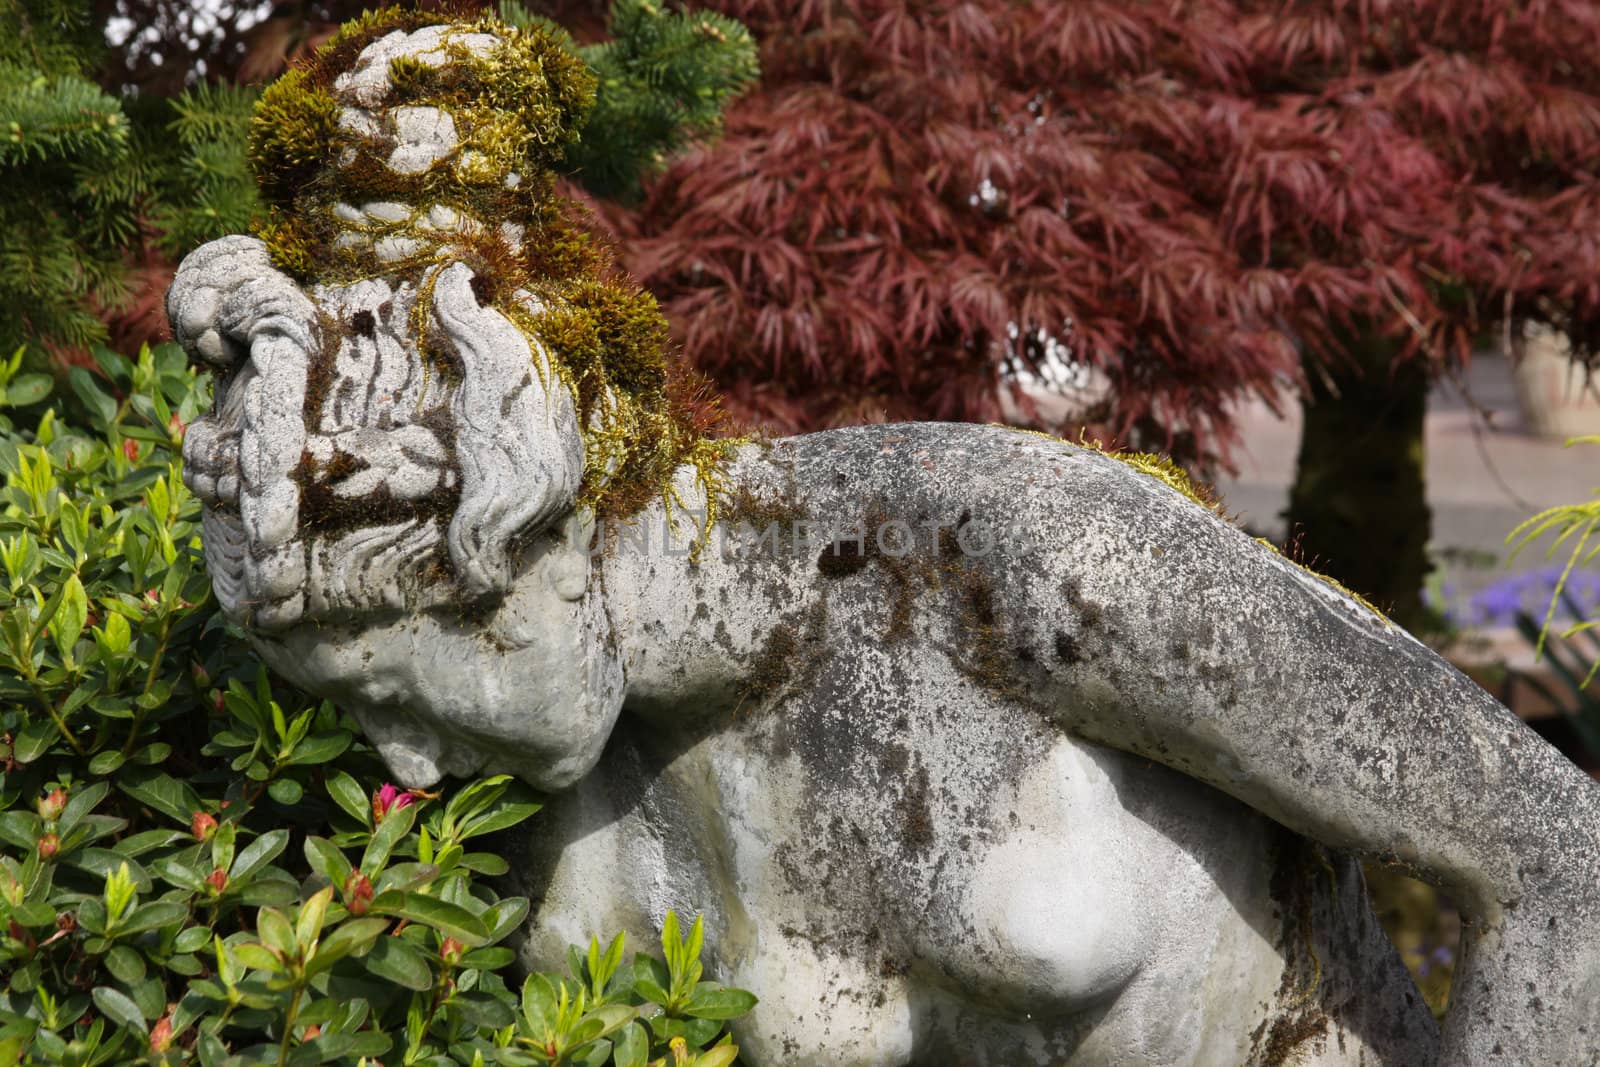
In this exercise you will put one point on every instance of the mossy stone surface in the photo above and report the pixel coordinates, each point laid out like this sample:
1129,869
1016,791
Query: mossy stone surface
513,100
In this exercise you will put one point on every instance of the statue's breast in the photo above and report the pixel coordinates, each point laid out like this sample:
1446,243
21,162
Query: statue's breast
890,857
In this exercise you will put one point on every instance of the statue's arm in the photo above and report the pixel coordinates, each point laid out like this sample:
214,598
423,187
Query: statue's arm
1229,663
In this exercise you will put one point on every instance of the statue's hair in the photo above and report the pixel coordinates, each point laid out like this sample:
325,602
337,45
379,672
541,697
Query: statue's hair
343,132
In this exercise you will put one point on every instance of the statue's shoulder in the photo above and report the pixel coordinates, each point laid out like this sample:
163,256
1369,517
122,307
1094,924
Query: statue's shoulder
953,461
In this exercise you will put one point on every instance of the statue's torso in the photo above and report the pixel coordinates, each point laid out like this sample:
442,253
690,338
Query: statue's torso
1004,895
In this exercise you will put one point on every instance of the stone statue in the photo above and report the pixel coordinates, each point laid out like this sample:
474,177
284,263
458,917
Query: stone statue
973,746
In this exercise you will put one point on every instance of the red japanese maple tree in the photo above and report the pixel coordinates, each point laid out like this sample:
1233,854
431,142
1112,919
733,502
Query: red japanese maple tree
1191,196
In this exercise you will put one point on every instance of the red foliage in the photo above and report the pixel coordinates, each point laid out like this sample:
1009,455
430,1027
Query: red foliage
1183,193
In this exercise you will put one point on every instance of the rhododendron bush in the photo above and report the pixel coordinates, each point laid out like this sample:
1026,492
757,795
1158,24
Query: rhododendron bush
196,867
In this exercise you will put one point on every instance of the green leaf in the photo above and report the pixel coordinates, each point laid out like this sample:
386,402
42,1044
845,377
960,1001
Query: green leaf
507,815
276,933
157,696
257,956
193,939
80,804
270,891
99,404
69,618
694,1031
161,792
649,990
125,964
399,961
404,876
34,913
488,959
151,916
308,923
452,920
351,937
114,365
485,863
21,828
504,916
319,748
327,860
712,1001
92,916
103,861
481,1009
51,606
717,1057
149,840
351,797
184,964
258,853
540,1006
475,797
33,740
117,633
223,842
396,824
285,791
180,874
105,762
28,389
650,978
632,1046
602,1021
119,1008
672,944
695,941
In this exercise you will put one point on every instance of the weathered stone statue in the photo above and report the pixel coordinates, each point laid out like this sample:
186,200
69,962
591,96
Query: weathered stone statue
975,747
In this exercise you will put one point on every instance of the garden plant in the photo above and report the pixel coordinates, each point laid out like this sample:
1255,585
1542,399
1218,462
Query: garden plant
198,867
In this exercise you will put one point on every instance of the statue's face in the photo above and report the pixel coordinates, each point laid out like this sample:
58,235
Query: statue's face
389,452
360,509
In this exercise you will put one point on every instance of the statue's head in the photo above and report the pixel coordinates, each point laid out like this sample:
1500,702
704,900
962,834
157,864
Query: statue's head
426,360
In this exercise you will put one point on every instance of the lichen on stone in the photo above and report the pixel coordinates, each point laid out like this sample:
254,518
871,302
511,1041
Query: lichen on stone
407,144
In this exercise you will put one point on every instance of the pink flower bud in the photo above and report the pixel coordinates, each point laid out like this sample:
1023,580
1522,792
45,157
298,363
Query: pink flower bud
357,893
161,1034
51,804
389,798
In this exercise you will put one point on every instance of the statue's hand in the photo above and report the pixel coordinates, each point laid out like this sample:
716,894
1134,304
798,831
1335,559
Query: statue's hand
231,308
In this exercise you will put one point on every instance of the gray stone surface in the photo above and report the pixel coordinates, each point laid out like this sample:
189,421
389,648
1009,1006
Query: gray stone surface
1048,765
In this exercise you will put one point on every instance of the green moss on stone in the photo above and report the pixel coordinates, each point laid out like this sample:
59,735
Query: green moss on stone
292,134
516,109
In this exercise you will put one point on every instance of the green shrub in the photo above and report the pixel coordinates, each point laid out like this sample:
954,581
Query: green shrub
198,867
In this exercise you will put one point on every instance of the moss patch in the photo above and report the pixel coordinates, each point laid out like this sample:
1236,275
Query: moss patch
516,109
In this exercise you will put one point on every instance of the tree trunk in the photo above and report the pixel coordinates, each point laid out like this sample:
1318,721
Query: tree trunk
1358,510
